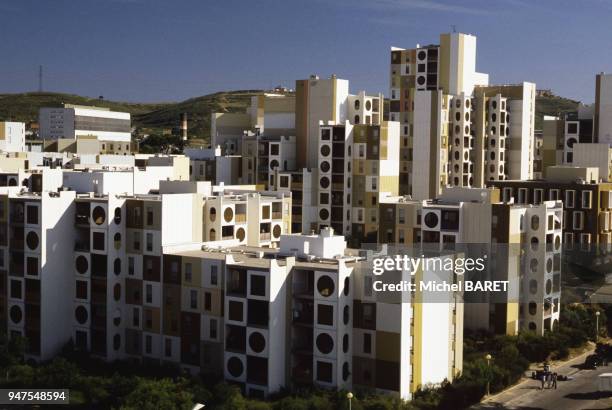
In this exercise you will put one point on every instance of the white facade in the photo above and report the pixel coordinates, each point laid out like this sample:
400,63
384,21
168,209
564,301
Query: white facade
12,136
72,122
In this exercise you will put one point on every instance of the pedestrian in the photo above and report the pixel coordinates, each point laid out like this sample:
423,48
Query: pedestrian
554,380
542,379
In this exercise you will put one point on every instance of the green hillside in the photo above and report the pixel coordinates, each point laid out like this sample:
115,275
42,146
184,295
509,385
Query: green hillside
552,105
149,117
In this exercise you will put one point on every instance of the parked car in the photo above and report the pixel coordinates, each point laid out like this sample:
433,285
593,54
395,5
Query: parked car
592,361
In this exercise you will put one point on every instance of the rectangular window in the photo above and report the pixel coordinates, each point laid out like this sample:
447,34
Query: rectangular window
207,301
149,242
32,214
569,198
213,275
130,265
149,293
136,317
522,196
577,221
212,332
538,196
193,299
188,272
81,289
136,238
32,266
168,348
553,194
367,343
587,197
149,216
148,344
16,289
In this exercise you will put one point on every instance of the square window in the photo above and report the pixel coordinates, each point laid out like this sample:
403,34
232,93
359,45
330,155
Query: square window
16,289
324,372
32,214
325,315
98,241
258,285
235,311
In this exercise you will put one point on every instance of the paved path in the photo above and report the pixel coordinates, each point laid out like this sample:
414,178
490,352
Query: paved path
579,393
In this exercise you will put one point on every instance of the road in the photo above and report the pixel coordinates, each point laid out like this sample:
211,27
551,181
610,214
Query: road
579,393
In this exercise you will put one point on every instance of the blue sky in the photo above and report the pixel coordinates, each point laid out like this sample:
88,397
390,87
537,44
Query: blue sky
162,50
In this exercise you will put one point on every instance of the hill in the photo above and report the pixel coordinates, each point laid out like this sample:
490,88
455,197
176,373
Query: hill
552,105
156,117
150,117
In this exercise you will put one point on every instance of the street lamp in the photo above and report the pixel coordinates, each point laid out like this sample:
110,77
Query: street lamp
597,313
349,396
488,357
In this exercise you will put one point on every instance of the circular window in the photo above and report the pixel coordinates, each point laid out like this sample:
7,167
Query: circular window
493,130
325,166
81,314
345,343
532,326
492,142
570,142
421,80
228,214
345,371
276,231
273,164
456,155
99,216
213,214
535,222
557,242
457,129
117,317
458,116
533,286
116,342
81,264
501,168
240,234
533,265
458,103
16,314
467,116
257,342
533,308
457,142
356,119
368,105
324,182
324,214
235,367
117,292
493,117
548,286
346,315
347,284
549,265
422,54
117,240
325,285
456,168
212,235
534,243
492,155
431,220
325,150
117,266
466,156
325,343
117,216
467,129
494,104
467,103
32,240
357,104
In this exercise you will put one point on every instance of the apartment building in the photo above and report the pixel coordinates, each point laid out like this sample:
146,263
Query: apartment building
12,136
586,202
453,124
36,232
269,114
304,314
477,222
358,165
73,122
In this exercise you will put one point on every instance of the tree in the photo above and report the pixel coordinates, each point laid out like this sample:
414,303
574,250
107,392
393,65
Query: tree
158,394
